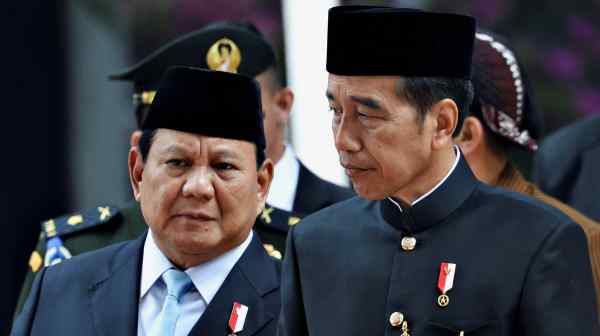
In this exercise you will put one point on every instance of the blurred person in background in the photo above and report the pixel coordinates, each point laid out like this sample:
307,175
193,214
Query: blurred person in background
201,178
502,119
295,191
567,165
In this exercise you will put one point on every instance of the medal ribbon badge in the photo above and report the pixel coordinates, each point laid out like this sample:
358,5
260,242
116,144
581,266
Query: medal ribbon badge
445,282
238,317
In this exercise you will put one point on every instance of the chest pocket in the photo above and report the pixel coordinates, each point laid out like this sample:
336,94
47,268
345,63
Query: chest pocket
463,328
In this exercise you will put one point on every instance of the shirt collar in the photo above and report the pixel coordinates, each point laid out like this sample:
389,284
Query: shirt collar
207,277
283,187
435,205
422,197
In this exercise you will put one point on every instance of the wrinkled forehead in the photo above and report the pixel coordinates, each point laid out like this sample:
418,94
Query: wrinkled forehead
165,140
343,87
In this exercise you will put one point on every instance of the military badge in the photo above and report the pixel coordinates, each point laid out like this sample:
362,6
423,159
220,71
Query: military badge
224,55
445,283
55,252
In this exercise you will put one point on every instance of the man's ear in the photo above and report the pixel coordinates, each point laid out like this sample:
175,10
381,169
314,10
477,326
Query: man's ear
284,100
136,170
471,136
134,140
445,114
264,177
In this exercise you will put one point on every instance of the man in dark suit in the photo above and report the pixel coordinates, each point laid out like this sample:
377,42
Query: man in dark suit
426,249
566,166
201,178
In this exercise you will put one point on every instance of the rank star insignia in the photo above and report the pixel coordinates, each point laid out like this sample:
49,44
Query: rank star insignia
104,213
266,215
445,283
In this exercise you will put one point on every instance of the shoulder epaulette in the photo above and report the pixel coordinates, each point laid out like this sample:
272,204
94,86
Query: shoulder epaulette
278,219
78,221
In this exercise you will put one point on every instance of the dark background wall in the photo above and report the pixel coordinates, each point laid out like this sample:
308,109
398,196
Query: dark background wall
33,175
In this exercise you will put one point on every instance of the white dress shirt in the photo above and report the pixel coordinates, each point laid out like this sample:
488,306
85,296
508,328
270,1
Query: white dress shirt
285,180
422,197
207,278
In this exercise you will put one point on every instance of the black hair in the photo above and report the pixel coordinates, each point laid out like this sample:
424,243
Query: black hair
424,92
148,136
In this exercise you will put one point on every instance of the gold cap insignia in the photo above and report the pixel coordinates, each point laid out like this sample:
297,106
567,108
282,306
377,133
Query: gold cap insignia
224,55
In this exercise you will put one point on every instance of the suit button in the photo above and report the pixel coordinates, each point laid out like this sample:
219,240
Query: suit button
396,319
408,243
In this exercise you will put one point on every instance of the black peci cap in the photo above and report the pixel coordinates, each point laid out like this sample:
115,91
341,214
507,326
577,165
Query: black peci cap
384,41
211,103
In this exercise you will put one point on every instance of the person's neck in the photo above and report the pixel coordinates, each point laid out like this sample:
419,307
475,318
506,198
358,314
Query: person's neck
276,153
439,167
185,259
488,166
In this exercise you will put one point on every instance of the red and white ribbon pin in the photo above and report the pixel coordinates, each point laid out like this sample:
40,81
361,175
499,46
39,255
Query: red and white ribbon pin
445,282
238,317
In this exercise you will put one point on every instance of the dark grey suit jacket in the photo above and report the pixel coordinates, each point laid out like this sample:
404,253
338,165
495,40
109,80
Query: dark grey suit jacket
97,293
567,166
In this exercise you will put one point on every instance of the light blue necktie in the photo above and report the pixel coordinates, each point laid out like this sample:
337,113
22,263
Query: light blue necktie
178,283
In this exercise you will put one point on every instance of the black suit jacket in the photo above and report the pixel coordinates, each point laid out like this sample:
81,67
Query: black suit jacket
313,193
522,267
97,293
567,166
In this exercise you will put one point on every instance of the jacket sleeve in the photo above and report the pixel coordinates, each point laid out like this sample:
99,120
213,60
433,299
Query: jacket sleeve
292,319
559,296
24,320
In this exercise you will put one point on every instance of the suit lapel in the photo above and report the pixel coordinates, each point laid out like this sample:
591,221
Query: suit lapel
309,196
253,277
115,291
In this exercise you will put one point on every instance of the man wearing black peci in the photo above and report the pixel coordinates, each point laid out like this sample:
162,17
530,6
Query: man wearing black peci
426,249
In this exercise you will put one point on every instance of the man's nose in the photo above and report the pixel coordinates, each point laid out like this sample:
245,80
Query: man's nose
345,137
199,184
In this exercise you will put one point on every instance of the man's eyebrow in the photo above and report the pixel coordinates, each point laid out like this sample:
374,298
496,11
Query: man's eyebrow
368,102
329,95
226,153
173,149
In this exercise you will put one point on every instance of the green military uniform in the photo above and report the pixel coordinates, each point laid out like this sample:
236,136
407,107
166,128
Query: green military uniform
81,232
